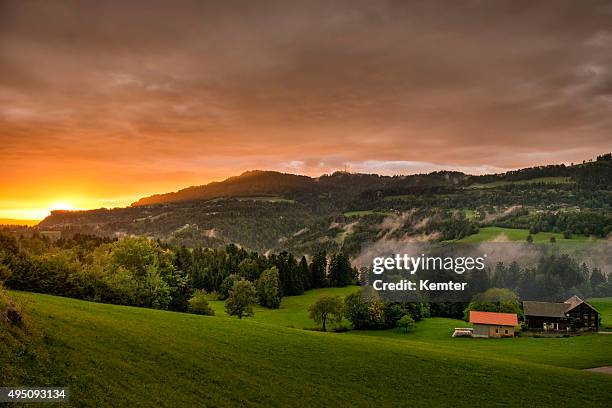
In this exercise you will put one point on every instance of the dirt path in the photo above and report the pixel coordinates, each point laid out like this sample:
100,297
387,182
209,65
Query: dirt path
604,369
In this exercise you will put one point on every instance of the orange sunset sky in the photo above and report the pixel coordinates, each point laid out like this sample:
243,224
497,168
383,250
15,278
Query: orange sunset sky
102,103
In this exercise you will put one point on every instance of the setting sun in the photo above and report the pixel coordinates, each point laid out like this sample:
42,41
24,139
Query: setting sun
61,205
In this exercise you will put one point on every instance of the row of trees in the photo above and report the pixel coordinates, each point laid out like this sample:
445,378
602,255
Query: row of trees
143,272
210,268
569,222
554,278
365,310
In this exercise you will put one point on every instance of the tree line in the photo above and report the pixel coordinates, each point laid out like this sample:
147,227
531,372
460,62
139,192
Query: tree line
142,272
555,277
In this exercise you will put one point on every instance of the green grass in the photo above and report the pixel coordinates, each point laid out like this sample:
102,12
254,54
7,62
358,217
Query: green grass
293,311
469,214
546,180
603,306
269,199
516,234
586,351
366,212
123,356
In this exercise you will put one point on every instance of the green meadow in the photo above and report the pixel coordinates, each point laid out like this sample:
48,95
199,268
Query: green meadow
363,213
268,199
516,234
293,311
543,180
604,306
125,356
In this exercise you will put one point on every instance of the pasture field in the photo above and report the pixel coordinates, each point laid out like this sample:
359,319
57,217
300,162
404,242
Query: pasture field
544,180
486,234
125,356
363,213
293,311
585,351
604,306
268,199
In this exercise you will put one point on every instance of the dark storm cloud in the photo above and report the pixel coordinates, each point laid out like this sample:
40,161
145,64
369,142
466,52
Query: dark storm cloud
309,86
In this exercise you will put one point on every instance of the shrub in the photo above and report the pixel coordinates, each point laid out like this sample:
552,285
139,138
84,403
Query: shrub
227,285
407,322
198,303
8,311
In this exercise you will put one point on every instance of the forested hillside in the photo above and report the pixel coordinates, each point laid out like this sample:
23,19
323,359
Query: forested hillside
264,210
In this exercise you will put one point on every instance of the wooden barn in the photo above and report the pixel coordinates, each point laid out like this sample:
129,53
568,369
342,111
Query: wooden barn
572,315
491,324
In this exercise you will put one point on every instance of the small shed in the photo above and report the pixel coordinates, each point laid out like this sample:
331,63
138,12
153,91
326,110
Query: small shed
491,324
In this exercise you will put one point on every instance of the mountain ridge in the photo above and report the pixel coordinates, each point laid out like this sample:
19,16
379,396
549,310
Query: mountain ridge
270,210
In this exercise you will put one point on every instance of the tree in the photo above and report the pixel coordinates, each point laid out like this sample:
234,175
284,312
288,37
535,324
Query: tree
135,254
198,303
513,276
340,270
242,297
304,272
495,300
227,285
356,310
248,269
318,269
326,308
184,260
291,282
154,291
407,322
479,280
268,288
499,275
597,278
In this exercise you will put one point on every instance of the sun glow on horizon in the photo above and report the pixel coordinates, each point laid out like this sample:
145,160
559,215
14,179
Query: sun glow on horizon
36,213
62,205
40,210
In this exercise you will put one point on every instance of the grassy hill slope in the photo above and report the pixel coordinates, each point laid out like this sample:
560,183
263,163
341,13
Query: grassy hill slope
604,306
500,234
124,356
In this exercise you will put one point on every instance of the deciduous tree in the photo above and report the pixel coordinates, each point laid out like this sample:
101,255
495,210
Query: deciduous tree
326,308
241,299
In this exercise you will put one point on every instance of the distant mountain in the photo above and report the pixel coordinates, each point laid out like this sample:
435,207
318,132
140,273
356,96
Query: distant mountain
254,182
272,183
268,210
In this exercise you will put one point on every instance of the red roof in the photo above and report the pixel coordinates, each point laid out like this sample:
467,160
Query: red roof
501,319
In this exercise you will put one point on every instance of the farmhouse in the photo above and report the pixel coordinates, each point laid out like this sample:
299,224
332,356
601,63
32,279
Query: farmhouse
572,315
490,324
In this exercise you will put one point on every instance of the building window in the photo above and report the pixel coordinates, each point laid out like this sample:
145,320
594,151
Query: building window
506,331
496,331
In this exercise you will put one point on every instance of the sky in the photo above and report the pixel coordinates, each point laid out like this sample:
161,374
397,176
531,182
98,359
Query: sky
102,103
